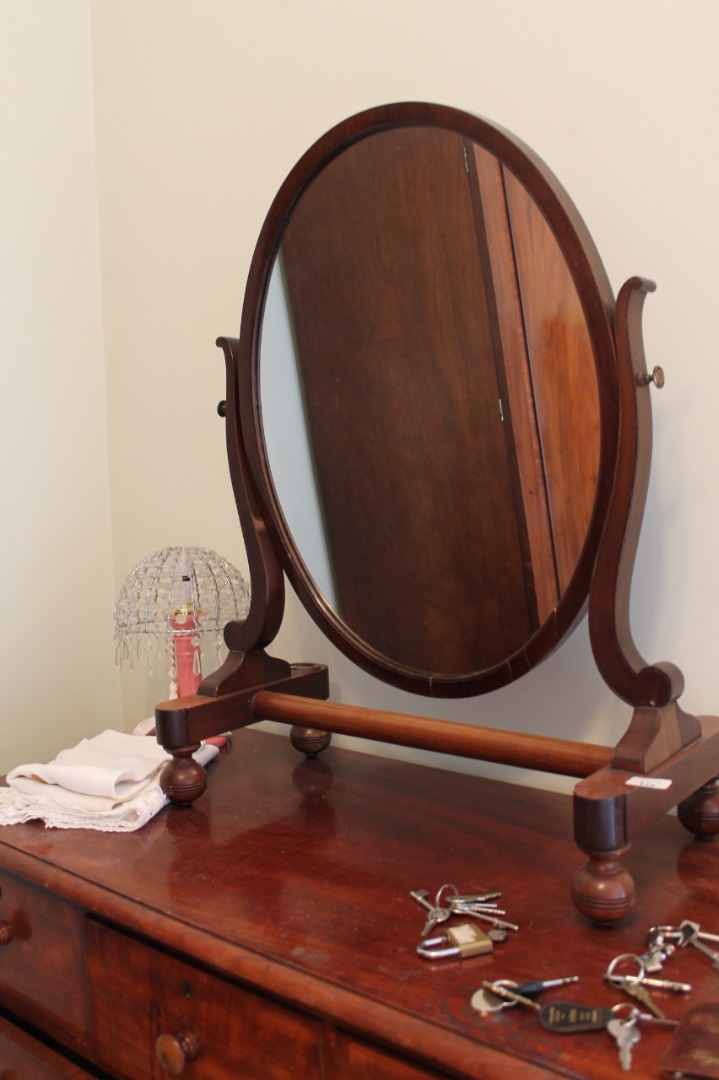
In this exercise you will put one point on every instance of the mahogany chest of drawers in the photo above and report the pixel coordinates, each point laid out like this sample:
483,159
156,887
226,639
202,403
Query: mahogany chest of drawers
268,931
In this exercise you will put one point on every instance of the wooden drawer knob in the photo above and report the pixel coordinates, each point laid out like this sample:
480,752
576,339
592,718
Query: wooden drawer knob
176,1051
6,932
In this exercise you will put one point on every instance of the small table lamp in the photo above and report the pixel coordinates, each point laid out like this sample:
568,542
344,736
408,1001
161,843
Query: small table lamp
176,595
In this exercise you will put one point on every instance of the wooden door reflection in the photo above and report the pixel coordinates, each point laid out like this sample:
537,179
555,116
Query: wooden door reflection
446,477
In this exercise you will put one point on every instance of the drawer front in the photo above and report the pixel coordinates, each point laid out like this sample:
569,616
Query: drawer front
350,1059
24,1058
207,1027
42,974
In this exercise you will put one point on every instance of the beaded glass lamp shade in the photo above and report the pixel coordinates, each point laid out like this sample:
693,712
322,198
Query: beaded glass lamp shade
175,596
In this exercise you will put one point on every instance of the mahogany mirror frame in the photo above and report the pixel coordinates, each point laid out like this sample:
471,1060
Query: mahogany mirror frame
597,303
666,758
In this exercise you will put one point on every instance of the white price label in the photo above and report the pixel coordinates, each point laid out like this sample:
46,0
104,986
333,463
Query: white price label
649,782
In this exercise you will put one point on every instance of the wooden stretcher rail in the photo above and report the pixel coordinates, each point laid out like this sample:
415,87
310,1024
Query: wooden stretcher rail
536,752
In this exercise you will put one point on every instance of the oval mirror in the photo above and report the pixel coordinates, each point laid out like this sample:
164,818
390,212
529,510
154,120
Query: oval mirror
432,419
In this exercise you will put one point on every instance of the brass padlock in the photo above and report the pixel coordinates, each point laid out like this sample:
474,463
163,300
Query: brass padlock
463,941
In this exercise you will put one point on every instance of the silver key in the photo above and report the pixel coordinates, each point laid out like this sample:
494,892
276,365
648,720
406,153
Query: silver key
487,916
483,899
651,984
661,943
633,983
478,907
653,959
454,896
436,914
672,934
690,936
626,1034
704,935
465,907
640,993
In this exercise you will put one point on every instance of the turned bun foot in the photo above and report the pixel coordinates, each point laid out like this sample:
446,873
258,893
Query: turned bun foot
603,890
183,779
699,814
309,740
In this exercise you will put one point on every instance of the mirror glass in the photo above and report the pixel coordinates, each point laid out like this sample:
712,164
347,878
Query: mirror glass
427,372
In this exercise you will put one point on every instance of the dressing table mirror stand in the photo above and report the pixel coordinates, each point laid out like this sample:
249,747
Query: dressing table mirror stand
519,218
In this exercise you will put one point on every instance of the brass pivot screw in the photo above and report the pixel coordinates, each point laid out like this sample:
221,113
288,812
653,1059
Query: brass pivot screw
656,377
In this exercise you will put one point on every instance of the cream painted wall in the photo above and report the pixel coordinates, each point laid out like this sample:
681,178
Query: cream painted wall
200,111
58,676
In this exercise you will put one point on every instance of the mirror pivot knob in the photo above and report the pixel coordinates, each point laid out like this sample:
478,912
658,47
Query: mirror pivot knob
222,408
6,932
174,1052
656,377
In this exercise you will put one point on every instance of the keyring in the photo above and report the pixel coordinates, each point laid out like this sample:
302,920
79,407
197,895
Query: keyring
631,1012
616,978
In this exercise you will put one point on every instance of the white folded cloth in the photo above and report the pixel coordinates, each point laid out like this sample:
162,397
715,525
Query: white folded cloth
110,782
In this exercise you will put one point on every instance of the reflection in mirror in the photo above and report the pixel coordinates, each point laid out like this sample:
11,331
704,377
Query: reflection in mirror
427,370
287,433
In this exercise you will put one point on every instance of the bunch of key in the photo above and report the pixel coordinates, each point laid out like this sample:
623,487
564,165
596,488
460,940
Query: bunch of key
628,973
662,941
570,1018
466,939
620,1021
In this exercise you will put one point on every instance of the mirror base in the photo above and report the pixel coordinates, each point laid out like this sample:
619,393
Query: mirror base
653,736
242,669
182,723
